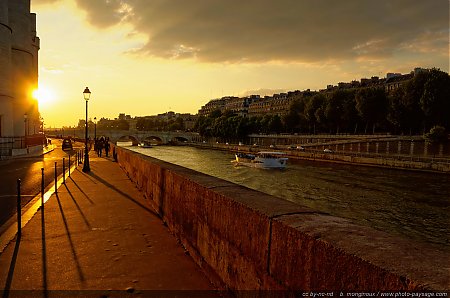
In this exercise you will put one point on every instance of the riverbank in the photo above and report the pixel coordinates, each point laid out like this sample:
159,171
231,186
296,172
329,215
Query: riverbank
400,161
284,246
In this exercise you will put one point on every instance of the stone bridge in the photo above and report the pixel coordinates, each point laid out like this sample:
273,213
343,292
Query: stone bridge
153,137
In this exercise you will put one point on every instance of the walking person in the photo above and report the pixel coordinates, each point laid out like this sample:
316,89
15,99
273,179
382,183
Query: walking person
100,147
107,145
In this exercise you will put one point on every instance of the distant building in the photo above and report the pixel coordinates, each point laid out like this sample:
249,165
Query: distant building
19,48
212,105
240,105
391,75
278,104
188,121
394,82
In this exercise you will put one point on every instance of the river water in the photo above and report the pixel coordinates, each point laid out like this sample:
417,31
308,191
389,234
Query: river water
414,205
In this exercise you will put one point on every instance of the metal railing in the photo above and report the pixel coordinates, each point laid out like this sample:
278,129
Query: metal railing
9,143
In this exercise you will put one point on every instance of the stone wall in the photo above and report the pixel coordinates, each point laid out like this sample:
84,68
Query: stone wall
19,48
410,162
248,240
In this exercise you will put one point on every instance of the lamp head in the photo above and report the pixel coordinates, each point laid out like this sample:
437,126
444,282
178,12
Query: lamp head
86,94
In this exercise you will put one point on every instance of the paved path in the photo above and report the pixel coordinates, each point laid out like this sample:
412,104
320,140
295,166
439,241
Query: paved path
98,234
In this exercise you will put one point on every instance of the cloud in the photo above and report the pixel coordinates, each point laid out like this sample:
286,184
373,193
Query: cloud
230,31
52,70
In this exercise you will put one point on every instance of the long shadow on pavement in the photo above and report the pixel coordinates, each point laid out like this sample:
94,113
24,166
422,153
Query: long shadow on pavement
44,253
87,197
12,266
123,194
69,237
78,207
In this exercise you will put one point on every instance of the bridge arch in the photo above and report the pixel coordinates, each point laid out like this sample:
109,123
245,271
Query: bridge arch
179,139
153,140
135,141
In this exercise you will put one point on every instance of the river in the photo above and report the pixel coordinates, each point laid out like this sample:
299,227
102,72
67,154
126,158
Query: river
415,205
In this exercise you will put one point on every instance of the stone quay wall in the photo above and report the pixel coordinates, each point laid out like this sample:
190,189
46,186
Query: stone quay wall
361,155
247,240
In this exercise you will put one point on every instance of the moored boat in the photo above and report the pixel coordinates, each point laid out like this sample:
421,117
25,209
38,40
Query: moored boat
263,159
145,144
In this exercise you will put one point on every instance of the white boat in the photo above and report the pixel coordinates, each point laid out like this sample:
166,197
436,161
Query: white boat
263,159
145,145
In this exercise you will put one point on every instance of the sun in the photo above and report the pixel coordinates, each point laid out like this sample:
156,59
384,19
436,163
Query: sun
44,96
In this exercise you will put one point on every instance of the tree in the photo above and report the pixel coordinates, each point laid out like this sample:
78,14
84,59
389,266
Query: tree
435,99
311,107
371,104
295,118
275,125
436,135
334,109
350,116
242,127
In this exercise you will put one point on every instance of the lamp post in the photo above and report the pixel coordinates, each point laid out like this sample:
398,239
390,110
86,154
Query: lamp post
95,128
86,168
42,124
25,117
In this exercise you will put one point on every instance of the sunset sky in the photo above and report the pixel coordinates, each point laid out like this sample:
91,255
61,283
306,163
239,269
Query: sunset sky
145,57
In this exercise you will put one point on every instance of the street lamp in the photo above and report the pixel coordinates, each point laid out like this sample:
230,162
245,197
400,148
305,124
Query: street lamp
25,116
86,168
41,124
95,128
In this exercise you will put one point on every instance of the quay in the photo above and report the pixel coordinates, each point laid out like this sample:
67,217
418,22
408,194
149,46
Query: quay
97,238
146,227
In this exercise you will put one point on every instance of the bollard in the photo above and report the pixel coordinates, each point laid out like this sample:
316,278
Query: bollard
19,210
64,170
69,165
56,178
42,188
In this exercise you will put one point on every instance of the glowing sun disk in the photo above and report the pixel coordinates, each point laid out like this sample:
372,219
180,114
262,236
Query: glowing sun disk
43,95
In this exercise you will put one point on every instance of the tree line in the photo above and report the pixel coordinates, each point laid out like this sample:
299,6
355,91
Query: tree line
414,108
148,124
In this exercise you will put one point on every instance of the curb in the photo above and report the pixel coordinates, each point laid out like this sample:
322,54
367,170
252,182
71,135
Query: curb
8,230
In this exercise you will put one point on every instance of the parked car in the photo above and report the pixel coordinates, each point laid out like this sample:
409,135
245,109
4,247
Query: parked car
67,145
327,150
300,148
291,147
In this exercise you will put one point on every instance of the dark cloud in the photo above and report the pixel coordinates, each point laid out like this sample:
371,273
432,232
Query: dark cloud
271,30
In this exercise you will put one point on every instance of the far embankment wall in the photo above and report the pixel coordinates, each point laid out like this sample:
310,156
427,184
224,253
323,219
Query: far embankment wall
407,162
247,240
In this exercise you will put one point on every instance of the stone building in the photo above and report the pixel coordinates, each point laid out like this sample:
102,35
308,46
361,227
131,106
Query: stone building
19,48
239,105
212,105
